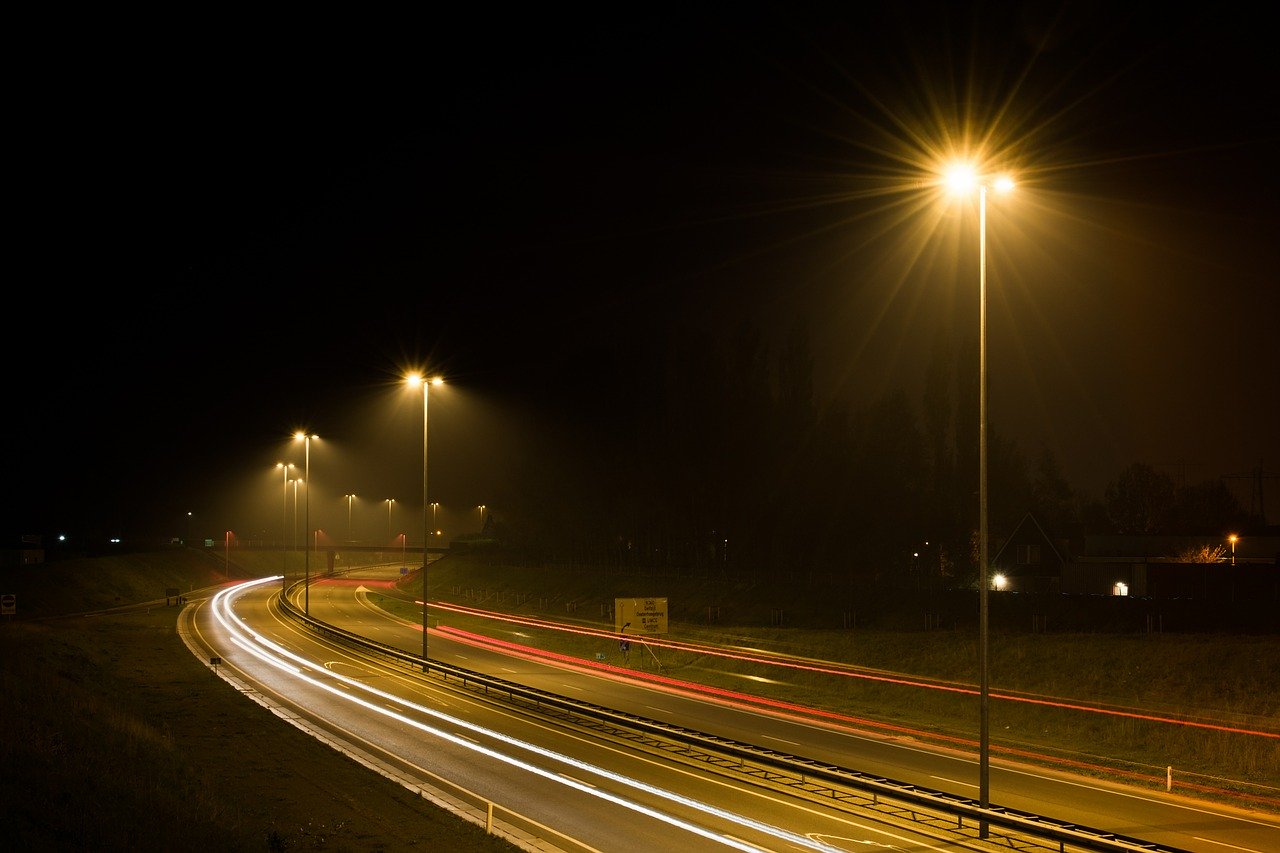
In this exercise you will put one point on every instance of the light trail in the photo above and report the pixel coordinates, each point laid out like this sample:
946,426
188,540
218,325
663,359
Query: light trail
806,714
845,672
278,657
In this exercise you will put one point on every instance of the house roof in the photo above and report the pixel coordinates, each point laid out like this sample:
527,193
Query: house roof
1032,525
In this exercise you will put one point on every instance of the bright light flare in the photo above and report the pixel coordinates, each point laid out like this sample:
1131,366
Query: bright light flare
963,178
413,380
960,179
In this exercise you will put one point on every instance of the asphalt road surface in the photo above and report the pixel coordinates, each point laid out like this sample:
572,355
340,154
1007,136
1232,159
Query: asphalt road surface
577,790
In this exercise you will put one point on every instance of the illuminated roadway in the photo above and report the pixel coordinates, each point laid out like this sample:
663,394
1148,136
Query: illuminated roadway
590,792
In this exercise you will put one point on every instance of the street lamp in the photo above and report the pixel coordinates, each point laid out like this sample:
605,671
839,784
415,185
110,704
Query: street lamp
306,560
390,502
963,179
413,380
435,505
480,509
349,499
284,511
1233,539
294,526
404,541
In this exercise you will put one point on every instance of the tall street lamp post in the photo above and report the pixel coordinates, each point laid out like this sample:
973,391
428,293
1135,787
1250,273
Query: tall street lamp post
349,499
963,179
295,482
284,512
435,505
413,380
1233,539
306,559
390,502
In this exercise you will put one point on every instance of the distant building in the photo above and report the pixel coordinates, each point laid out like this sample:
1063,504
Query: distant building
26,550
1031,560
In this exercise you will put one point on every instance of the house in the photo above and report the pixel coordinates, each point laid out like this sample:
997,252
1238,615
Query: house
1031,560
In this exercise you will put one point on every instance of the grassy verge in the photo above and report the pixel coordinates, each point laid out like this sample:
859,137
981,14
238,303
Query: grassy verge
117,738
1122,706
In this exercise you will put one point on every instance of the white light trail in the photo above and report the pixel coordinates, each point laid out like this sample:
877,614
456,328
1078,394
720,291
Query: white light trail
277,656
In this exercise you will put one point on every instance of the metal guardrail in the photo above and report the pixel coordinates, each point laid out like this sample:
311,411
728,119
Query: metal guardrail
1064,835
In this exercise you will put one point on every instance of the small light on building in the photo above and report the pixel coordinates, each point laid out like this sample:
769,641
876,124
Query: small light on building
1121,588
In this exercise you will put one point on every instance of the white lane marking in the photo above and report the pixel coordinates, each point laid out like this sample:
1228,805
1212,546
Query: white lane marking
1224,844
953,782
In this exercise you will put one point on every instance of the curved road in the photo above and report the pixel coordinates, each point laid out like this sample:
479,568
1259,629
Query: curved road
580,791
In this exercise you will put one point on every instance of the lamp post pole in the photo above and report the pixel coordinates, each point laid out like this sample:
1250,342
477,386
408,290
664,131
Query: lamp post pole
306,559
295,514
390,503
428,508
349,499
984,733
963,178
284,513
1232,539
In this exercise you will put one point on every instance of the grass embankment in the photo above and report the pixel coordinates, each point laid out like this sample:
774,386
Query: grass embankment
116,738
1146,687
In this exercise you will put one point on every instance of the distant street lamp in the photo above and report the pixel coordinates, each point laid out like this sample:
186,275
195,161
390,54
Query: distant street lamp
435,505
349,499
413,380
294,526
306,560
480,509
390,503
284,512
404,541
963,179
1232,539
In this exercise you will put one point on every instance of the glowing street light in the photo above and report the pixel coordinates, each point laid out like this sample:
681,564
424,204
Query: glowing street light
349,498
435,505
413,380
480,510
306,560
1233,538
390,502
962,179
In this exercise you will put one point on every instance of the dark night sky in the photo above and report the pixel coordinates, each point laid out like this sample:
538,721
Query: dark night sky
227,229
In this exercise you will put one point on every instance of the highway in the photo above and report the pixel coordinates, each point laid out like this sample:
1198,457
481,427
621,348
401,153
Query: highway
582,790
